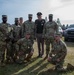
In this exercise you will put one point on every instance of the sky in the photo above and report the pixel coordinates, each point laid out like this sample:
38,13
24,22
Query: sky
62,9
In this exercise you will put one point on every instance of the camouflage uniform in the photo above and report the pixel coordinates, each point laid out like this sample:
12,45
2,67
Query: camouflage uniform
9,45
59,51
16,36
49,31
21,21
28,26
4,38
26,48
2,46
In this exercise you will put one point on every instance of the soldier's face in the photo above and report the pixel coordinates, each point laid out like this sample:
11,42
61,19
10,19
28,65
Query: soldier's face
20,20
57,38
39,17
4,19
16,22
27,36
50,18
30,18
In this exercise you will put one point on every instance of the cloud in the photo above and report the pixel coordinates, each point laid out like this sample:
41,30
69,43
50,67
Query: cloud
17,8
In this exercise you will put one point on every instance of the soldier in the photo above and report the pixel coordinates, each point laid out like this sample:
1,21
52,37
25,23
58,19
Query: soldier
49,31
58,53
20,21
39,24
9,56
16,35
63,27
26,48
4,37
29,26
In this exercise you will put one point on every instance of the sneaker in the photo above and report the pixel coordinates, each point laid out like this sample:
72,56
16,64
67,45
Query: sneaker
70,67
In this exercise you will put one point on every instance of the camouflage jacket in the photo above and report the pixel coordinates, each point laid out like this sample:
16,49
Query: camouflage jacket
24,43
16,32
50,29
5,30
28,27
59,49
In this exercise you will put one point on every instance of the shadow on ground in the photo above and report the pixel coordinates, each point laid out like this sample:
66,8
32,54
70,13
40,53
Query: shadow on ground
10,69
37,66
55,73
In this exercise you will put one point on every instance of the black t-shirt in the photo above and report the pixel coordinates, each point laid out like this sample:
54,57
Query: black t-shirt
39,25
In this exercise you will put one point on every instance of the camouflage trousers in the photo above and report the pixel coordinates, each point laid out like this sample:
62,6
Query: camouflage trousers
57,64
2,51
49,41
23,54
16,48
10,50
32,39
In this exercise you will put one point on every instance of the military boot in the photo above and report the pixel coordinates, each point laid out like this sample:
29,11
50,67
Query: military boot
70,67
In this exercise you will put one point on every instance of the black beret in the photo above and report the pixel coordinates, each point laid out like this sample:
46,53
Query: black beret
39,14
50,14
28,32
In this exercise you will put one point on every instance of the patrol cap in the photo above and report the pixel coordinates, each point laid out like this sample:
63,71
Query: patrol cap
4,16
51,15
39,14
28,33
16,19
30,15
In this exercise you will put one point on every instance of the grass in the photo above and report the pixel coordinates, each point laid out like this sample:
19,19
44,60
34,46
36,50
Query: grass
37,66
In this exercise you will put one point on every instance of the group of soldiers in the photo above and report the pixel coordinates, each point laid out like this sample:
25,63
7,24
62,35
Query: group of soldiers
17,40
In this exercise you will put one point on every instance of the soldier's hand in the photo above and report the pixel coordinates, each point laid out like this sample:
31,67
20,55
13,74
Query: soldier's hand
58,60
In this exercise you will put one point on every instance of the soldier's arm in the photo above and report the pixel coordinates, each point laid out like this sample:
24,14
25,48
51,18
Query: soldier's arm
56,27
20,32
53,50
3,31
13,34
44,30
63,52
19,42
34,31
23,29
35,27
5,34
